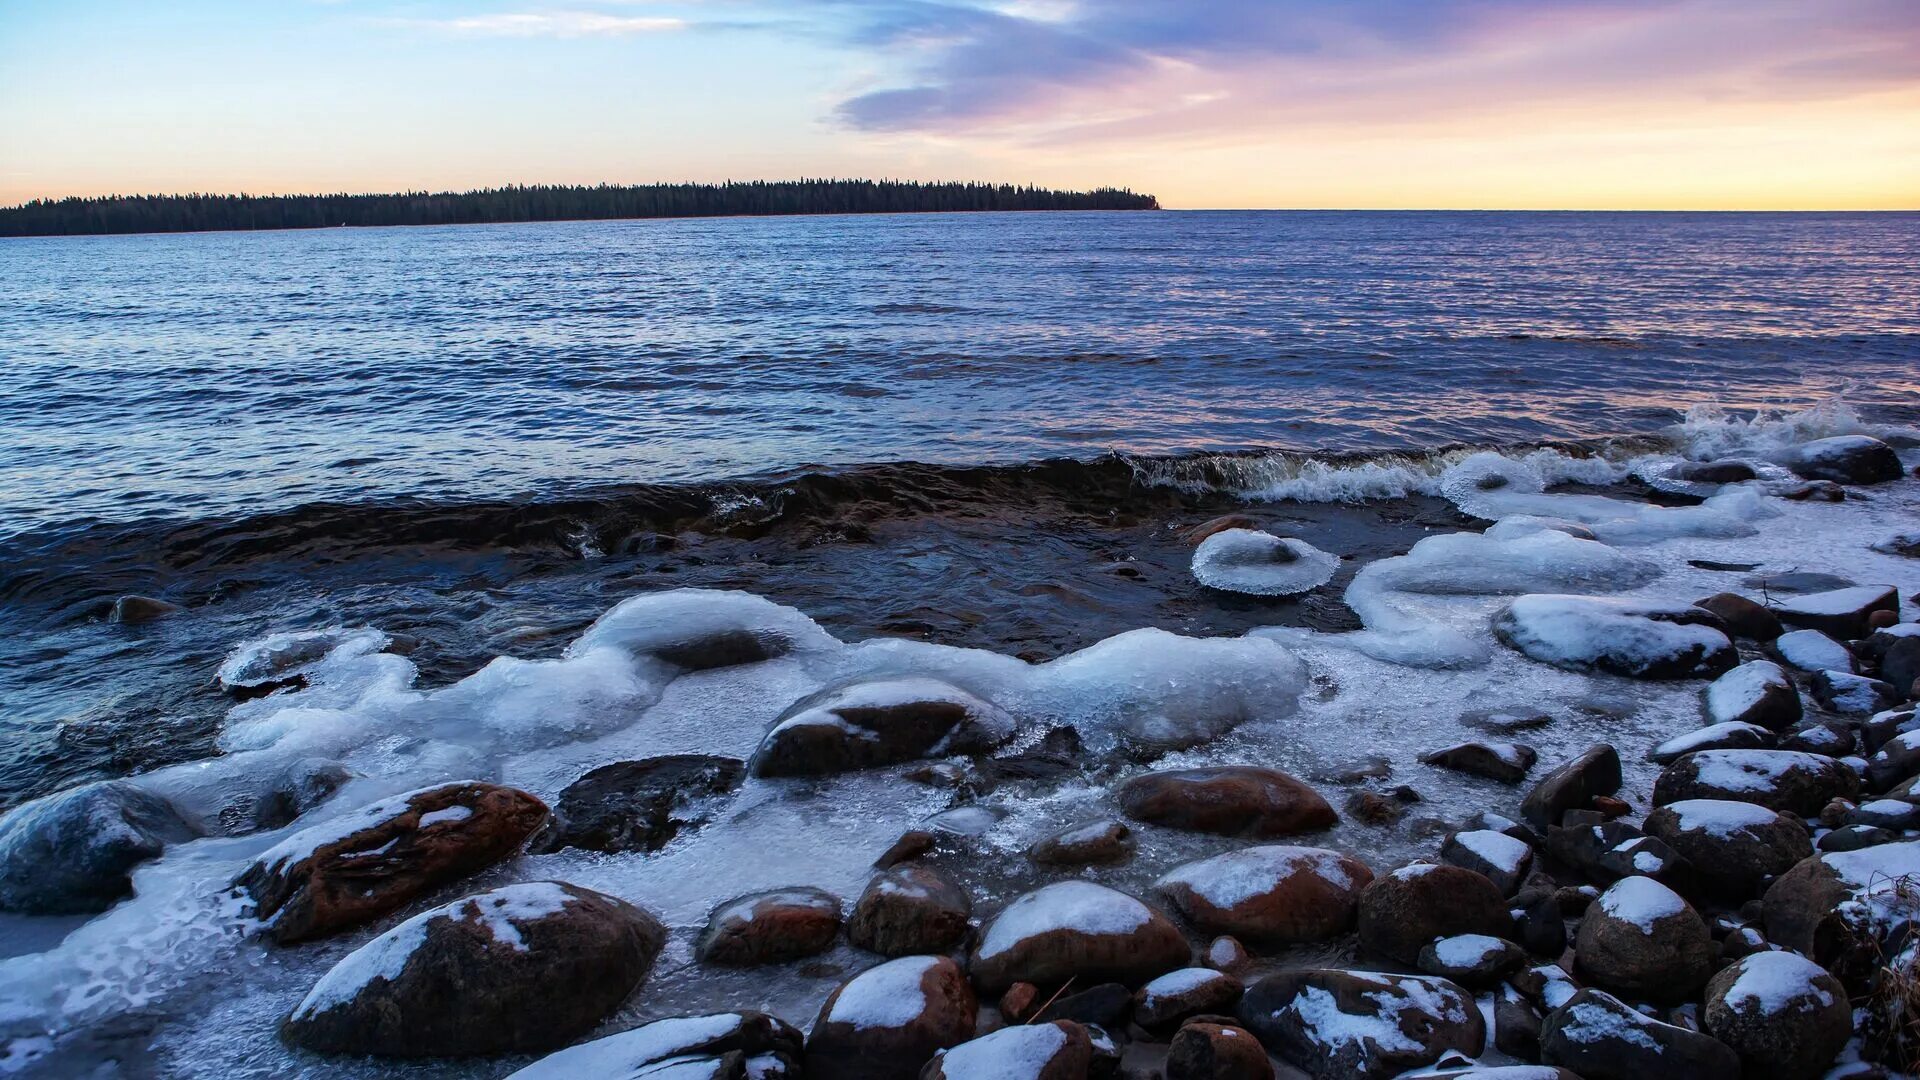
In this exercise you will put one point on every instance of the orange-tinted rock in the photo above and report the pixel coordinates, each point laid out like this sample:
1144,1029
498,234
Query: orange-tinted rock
1234,800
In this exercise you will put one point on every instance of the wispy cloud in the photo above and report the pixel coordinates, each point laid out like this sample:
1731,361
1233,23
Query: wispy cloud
549,24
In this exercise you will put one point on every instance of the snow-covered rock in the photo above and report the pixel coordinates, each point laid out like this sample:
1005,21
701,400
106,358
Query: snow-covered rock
1090,843
1785,780
888,1021
1735,848
909,909
1361,1024
1272,894
682,1046
1505,762
1642,639
1475,961
1844,459
74,851
1839,613
1600,1037
1811,650
1728,736
1783,1014
1641,939
770,927
1852,695
1500,858
1756,692
1401,912
1203,1050
1837,907
1077,930
1170,999
524,967
640,805
879,723
1060,1050
1261,564
1573,786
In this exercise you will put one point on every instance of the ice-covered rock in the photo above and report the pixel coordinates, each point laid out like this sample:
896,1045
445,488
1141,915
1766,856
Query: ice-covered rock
770,927
1234,800
1642,639
1077,930
1272,894
640,805
1811,650
1844,459
1261,564
703,628
1159,690
356,867
1061,1050
1600,1037
1783,1014
524,967
1090,843
1756,692
1172,998
1641,939
879,723
909,909
725,1045
1785,780
1906,544
1728,736
1401,912
1475,961
1505,762
1735,848
887,1022
1840,613
1361,1024
74,851
1501,859
277,659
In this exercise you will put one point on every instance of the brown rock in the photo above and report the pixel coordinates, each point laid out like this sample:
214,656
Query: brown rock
1505,762
1044,937
1180,995
1744,617
1059,1050
1218,525
860,1035
352,870
1642,940
770,927
1273,894
1202,1051
1236,800
909,909
1573,786
1092,843
1784,780
1400,913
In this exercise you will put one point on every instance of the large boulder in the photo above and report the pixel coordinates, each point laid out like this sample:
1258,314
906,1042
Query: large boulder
1785,780
1361,1024
1076,930
1844,459
1573,786
1600,1037
1833,906
357,867
1782,1013
770,927
1845,614
1271,895
639,805
1642,940
722,1046
1402,912
1234,800
1210,1051
1640,639
909,909
1061,1050
869,724
1735,848
74,852
887,1022
1756,692
522,968
1171,999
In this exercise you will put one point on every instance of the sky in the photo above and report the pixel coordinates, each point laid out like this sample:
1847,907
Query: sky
1606,104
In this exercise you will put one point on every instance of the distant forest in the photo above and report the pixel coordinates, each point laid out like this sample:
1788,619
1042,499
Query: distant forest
197,213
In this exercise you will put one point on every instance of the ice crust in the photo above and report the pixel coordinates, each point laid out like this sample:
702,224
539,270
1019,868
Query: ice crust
1261,564
1298,700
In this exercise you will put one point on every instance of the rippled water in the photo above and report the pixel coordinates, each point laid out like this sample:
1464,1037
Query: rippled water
184,376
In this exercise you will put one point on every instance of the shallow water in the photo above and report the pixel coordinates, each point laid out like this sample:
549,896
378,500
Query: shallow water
480,440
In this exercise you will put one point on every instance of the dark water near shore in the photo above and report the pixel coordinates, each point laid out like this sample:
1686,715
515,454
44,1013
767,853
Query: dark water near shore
482,437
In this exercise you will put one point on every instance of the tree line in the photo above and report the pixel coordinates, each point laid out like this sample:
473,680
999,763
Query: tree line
198,213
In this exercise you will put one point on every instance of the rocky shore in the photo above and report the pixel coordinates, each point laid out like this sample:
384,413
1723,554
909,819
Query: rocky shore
1120,876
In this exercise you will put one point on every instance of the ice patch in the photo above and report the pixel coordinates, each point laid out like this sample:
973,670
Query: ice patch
1261,564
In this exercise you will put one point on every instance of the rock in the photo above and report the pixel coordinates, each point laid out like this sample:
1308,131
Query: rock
1756,692
1798,784
1539,922
1811,650
1896,760
1727,471
73,852
1373,808
912,844
132,610
1516,1025
1783,1014
1815,491
1896,814
1642,940
1547,986
520,968
1218,525
1743,617
300,786
1495,856
1640,639
1076,929
1505,762
1844,459
1058,754
770,927
1225,953
1361,1024
1234,800
1060,1050
1735,848
1855,837
1826,905
909,909
1839,613
1173,998
357,867
1271,895
1202,1051
869,724
1882,728
1734,736
1572,786
1852,695
1475,961
1504,722
1401,912
1020,1002
1831,739
640,805
887,1022
1614,849
1905,544
731,1046
1102,1005
1597,1036
1899,660
1091,843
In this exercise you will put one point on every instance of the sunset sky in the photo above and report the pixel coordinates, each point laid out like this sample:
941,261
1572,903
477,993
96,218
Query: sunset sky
1285,103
